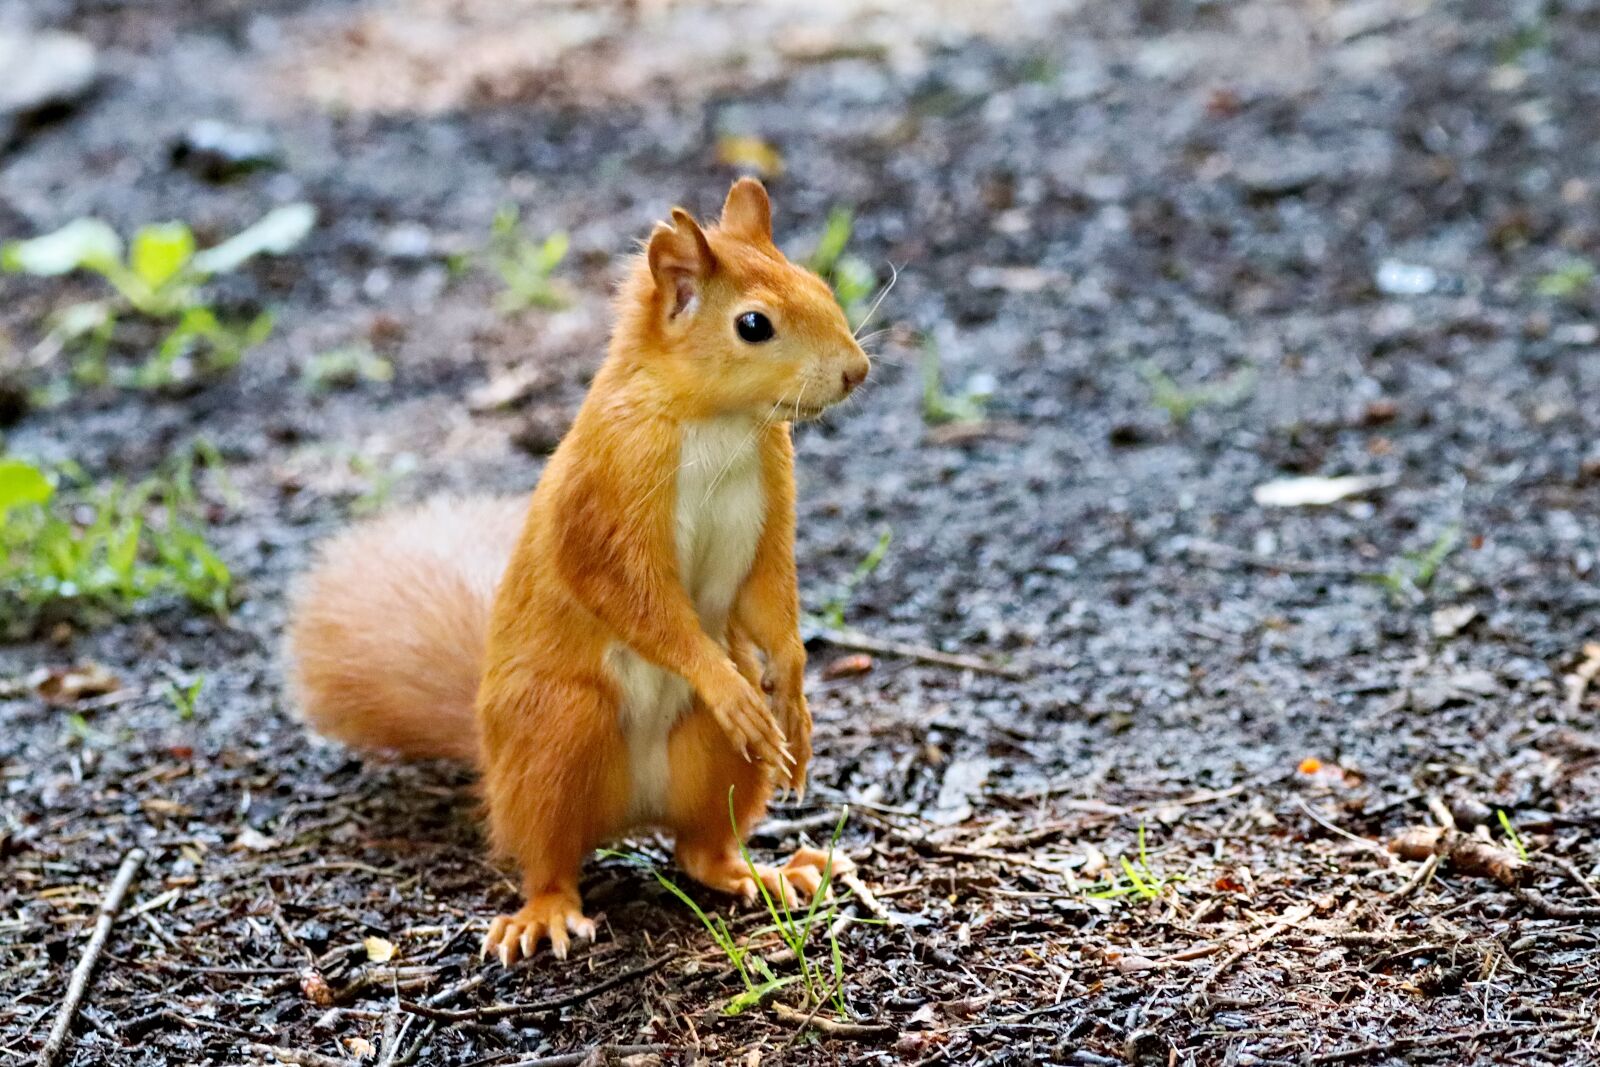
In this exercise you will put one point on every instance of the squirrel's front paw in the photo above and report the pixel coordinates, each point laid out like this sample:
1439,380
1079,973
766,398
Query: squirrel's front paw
794,717
747,720
550,915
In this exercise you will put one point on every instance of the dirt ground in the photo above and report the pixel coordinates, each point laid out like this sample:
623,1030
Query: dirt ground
1104,213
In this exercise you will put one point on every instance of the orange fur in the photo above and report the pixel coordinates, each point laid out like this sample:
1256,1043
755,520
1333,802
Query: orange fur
645,598
388,628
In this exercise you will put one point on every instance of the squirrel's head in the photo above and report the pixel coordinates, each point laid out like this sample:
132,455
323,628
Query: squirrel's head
734,327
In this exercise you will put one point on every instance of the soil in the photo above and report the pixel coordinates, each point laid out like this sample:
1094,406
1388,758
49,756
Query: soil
1104,214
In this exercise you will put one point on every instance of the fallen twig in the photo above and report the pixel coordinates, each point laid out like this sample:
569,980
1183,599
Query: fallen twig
1339,831
383,977
833,1027
1475,856
1004,858
1571,871
197,1023
1229,554
1293,917
1555,909
800,1030
598,1054
1194,952
1403,1042
779,829
869,900
860,642
1423,876
393,1034
495,1012
79,984
452,992
409,1056
1468,854
1583,676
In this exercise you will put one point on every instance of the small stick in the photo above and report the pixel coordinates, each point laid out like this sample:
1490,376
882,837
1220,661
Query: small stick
598,1053
1195,952
834,1028
512,1011
1472,855
1570,869
223,972
393,1034
298,1057
1424,875
194,1023
79,985
411,1053
1555,909
452,992
1230,554
869,900
860,642
1404,1042
800,1030
1579,680
1293,917
1339,831
1436,805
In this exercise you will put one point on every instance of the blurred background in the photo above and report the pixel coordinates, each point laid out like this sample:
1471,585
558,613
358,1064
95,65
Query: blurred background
1233,427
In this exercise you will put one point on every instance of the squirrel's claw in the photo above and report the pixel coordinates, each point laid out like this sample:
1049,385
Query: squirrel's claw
551,917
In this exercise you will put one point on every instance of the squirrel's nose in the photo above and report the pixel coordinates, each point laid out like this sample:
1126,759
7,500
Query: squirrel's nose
854,375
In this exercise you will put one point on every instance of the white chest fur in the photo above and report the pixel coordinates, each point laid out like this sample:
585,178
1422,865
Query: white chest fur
719,512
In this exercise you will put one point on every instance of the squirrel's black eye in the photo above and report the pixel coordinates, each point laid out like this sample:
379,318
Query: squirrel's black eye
753,327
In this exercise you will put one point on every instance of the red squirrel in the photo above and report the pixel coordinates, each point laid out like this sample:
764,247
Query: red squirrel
599,654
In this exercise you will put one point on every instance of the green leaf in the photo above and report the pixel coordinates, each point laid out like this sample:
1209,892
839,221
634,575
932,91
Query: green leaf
835,236
751,997
277,232
553,251
81,243
81,320
1511,834
853,281
346,367
22,484
257,330
122,557
160,251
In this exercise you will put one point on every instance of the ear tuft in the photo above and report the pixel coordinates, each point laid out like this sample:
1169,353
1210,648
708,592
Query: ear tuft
680,261
748,210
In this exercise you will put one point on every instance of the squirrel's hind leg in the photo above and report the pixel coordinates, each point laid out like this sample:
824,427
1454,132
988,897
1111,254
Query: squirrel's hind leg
556,778
708,828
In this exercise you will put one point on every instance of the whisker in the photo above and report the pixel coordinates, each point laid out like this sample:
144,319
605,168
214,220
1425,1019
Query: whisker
894,276
671,474
761,424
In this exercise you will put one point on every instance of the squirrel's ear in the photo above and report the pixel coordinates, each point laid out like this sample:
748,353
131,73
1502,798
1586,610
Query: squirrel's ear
680,261
748,211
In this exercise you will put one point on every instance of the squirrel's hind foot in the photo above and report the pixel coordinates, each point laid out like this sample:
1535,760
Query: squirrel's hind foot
556,916
797,879
809,866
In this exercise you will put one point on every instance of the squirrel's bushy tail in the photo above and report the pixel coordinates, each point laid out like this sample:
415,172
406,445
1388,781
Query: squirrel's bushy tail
388,629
